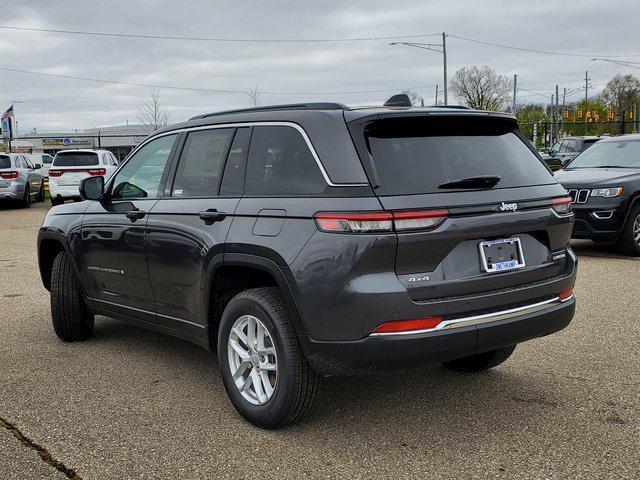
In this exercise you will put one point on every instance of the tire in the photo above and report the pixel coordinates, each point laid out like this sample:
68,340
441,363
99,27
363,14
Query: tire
41,196
629,242
26,197
480,361
296,384
72,320
56,201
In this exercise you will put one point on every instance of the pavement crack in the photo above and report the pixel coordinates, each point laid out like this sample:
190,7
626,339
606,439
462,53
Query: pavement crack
40,450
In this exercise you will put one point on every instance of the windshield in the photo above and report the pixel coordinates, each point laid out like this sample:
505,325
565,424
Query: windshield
427,155
5,162
75,159
620,153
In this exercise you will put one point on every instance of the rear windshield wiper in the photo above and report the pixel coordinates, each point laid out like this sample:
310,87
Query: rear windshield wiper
484,181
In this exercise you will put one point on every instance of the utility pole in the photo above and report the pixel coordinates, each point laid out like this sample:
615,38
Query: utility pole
444,65
564,97
557,113
515,91
553,119
436,94
586,90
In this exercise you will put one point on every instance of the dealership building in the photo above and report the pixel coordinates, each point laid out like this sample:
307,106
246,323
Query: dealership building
120,140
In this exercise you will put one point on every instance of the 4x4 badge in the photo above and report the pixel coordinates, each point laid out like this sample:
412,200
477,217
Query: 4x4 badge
505,207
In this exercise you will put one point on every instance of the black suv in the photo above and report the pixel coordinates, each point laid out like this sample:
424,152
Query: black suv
566,150
604,185
314,239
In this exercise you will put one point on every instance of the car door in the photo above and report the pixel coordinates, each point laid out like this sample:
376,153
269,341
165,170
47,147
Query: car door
187,228
112,248
34,176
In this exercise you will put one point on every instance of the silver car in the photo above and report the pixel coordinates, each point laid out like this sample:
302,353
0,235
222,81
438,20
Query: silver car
20,179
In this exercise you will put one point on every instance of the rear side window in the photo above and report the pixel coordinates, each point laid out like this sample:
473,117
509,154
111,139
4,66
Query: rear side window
75,159
201,162
280,163
5,162
417,155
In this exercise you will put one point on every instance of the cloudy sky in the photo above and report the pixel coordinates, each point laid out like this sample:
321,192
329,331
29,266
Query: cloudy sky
289,72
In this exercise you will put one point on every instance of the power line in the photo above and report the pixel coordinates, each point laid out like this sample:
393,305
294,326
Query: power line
619,62
217,39
203,90
531,50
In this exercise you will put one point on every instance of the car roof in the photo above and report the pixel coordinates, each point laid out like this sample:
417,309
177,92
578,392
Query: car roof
79,150
620,138
301,112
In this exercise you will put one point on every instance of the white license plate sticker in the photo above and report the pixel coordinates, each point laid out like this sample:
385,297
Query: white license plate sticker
501,255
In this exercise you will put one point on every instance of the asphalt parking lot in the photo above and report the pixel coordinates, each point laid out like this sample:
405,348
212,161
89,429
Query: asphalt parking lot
135,404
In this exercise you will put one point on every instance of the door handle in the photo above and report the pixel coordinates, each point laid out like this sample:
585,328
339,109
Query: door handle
135,214
212,215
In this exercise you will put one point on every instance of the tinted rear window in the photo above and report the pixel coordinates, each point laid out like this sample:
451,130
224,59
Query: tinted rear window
79,159
5,162
416,155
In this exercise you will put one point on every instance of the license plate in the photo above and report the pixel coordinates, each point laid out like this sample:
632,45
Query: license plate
501,255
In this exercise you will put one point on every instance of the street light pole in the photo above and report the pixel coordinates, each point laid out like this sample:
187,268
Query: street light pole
444,67
434,47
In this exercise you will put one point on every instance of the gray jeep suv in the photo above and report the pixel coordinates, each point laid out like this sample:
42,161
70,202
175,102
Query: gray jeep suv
306,240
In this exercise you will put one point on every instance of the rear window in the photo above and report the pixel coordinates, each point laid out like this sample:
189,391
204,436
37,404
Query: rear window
416,155
5,162
75,159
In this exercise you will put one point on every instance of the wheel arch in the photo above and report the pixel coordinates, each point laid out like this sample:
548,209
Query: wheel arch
252,271
49,245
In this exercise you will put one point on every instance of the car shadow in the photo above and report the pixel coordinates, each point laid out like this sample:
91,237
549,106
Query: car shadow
374,407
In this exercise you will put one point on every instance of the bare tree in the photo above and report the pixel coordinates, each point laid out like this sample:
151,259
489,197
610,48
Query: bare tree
622,93
416,99
481,88
254,95
152,114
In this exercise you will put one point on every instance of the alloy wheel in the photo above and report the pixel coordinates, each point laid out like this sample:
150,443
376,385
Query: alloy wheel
253,362
636,230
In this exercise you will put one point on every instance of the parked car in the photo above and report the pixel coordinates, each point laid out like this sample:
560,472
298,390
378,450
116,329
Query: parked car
45,160
313,239
20,179
71,166
565,150
604,184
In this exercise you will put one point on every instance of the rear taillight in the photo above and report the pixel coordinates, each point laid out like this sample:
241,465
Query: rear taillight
97,172
408,326
354,222
379,221
562,206
418,220
9,175
566,294
55,173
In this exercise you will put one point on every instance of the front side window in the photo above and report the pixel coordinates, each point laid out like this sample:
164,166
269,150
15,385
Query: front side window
280,163
47,159
140,177
201,162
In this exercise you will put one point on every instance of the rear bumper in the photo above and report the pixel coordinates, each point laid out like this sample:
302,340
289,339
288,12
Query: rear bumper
15,191
388,352
63,191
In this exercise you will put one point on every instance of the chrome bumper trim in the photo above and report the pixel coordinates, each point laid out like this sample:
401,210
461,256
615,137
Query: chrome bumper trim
484,318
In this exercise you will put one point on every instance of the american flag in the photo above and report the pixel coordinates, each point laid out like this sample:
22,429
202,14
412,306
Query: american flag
8,113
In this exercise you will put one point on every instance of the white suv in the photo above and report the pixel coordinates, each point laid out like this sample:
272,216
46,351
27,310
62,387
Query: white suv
71,166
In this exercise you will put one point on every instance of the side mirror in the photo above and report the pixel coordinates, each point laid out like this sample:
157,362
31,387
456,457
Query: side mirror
92,188
544,150
37,166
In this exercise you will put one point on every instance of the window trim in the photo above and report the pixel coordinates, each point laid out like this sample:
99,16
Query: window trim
252,124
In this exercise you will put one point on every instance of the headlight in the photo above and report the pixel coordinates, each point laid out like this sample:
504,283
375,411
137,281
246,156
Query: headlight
606,192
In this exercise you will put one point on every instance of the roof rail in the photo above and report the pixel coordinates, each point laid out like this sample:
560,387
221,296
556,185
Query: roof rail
268,108
454,107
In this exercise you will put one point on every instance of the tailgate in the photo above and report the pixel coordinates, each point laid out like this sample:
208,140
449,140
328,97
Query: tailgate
499,229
